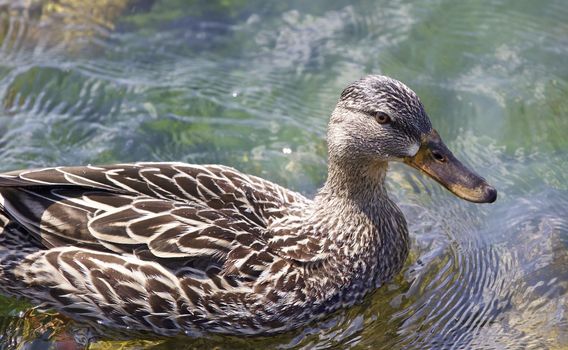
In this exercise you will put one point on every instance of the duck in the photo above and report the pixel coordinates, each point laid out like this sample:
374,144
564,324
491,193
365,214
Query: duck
174,248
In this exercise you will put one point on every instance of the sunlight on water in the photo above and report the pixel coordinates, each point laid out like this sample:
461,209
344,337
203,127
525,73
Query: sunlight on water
251,85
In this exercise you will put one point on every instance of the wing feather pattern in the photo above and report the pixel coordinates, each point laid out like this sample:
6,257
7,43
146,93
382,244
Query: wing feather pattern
166,210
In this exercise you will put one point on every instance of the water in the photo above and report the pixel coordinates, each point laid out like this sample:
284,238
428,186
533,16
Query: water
252,83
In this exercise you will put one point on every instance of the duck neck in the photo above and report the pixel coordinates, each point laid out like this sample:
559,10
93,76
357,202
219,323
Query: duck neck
353,200
359,223
356,183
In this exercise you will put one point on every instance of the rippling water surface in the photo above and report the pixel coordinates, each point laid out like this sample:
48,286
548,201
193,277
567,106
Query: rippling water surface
252,83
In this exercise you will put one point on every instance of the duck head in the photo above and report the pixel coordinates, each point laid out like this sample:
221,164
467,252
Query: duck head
379,119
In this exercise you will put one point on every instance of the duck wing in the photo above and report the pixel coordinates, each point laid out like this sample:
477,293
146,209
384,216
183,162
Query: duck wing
166,210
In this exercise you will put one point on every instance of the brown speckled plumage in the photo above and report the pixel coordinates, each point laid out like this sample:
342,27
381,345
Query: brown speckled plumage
177,248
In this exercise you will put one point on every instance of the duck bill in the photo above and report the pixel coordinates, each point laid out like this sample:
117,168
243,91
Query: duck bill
435,160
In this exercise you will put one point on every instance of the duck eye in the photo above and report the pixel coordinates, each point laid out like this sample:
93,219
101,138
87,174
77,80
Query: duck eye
382,118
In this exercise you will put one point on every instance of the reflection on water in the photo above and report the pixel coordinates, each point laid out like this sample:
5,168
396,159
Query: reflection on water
251,84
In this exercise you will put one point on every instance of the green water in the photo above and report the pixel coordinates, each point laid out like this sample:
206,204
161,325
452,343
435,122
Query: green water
251,84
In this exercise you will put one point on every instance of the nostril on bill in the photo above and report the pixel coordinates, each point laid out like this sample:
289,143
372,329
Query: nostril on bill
438,156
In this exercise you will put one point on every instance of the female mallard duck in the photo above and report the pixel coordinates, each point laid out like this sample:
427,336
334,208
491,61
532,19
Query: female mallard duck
173,247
